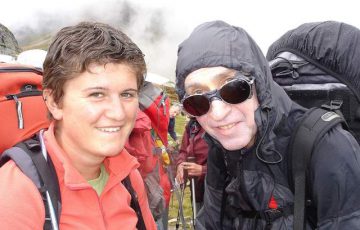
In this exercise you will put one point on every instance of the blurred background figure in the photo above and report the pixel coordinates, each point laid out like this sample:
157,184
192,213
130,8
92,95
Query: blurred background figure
174,111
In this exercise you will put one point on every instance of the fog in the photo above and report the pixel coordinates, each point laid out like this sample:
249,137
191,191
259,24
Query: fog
158,26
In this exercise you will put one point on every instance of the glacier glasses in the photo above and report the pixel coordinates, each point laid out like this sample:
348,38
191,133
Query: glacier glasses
235,91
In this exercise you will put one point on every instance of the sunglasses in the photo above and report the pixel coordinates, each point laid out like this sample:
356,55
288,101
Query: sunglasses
233,92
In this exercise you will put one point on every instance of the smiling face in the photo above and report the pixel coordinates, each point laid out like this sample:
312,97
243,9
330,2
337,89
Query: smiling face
96,113
233,125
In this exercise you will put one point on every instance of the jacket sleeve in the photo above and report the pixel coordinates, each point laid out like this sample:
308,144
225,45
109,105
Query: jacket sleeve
335,172
183,147
21,205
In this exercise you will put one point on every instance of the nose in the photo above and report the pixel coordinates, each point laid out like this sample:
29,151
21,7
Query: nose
219,110
115,109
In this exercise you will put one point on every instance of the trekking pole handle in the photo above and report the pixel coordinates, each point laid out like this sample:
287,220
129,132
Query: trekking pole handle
190,159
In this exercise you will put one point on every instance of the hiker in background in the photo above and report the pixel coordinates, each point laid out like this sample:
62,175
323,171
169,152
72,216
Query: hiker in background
193,145
9,47
92,77
174,111
224,81
141,145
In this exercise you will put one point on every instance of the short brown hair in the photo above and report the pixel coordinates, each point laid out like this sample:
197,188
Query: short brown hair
74,48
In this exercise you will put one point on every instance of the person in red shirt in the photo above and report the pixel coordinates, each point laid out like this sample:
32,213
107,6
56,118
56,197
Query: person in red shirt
92,77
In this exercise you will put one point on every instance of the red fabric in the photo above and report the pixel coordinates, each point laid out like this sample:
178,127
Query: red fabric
165,185
159,117
34,110
141,144
194,145
272,203
82,208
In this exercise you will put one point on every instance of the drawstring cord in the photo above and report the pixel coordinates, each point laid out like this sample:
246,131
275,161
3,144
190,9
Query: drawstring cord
261,141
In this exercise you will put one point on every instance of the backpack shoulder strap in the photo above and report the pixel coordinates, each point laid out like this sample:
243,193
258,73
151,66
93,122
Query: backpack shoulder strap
134,203
29,158
309,131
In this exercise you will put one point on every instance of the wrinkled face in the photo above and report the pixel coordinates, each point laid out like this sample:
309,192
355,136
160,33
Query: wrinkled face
233,125
97,111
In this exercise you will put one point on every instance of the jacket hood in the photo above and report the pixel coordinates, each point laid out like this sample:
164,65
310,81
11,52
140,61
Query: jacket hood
217,43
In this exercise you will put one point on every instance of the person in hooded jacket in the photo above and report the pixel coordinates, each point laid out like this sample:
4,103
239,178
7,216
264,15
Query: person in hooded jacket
223,79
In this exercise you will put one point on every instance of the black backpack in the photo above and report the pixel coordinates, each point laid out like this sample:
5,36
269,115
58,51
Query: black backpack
317,65
32,159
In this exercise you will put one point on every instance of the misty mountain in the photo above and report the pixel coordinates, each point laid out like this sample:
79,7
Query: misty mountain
122,15
146,26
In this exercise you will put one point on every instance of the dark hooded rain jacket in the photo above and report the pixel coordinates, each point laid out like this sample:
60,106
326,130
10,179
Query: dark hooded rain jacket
240,185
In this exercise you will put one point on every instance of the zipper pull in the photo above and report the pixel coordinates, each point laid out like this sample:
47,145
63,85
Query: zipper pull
18,106
163,104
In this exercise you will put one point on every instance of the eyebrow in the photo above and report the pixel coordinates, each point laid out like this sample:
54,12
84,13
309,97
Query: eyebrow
94,88
135,90
104,88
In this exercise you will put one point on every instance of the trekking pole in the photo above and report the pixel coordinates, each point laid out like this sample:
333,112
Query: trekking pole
180,209
193,198
179,196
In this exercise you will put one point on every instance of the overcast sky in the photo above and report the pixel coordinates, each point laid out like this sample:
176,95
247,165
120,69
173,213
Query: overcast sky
158,26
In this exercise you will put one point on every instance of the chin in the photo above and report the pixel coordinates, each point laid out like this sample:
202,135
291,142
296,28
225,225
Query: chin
232,146
111,151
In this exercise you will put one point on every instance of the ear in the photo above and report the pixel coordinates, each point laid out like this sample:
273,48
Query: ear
53,107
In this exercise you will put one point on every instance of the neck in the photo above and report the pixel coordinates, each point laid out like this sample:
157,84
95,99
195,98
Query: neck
86,164
89,172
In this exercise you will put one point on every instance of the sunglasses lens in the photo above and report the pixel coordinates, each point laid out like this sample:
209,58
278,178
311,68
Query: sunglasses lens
235,92
196,105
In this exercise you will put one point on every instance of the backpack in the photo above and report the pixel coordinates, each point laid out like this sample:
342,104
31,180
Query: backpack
22,108
317,65
141,145
24,116
154,102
